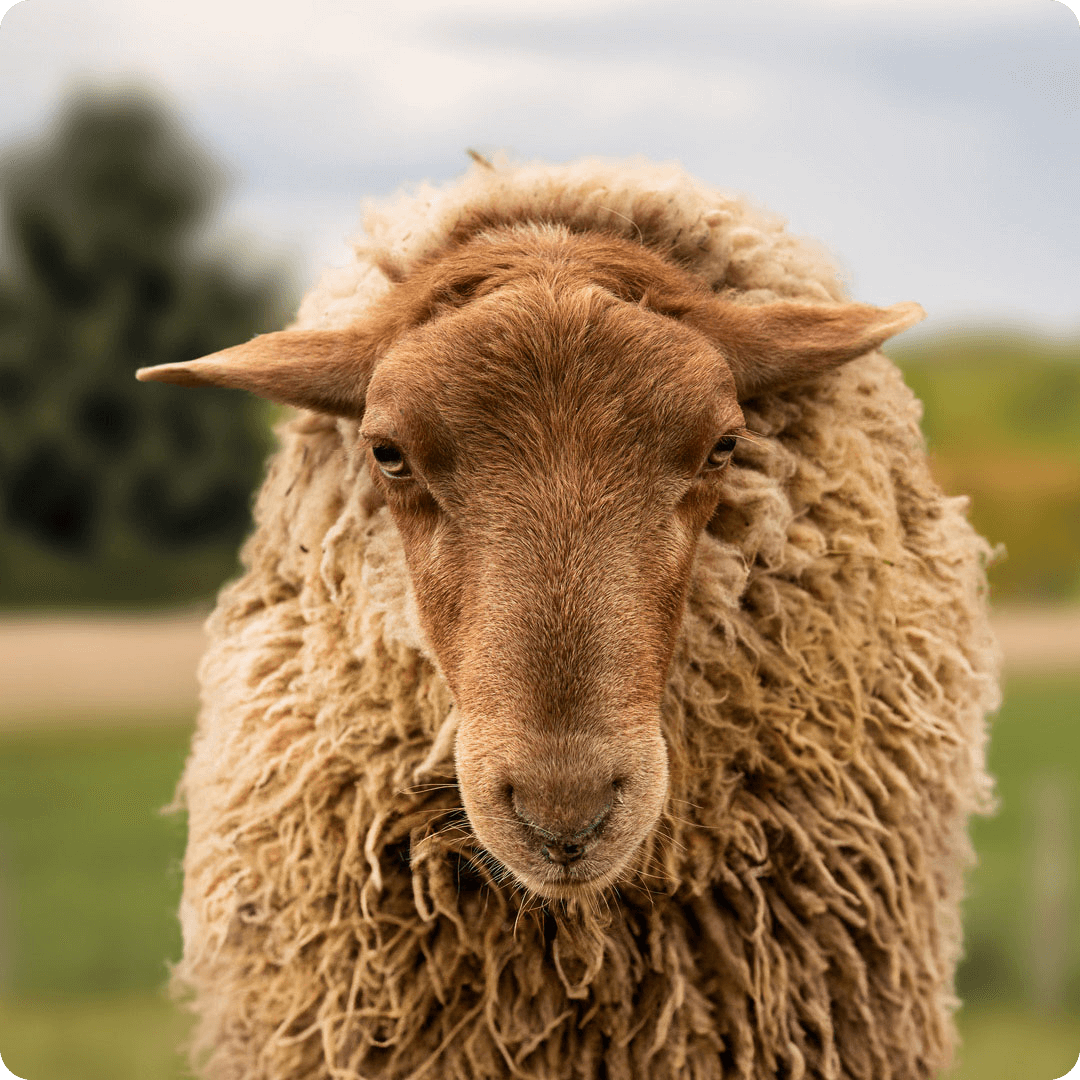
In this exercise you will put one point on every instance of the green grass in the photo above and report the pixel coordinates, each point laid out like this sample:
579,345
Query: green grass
89,868
1022,915
1001,1044
108,1037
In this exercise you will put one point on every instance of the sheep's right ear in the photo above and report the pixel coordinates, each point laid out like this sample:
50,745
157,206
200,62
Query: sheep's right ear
326,370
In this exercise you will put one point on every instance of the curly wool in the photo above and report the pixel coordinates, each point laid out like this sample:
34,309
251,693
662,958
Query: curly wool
796,912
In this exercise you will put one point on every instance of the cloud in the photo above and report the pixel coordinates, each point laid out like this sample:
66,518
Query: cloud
911,135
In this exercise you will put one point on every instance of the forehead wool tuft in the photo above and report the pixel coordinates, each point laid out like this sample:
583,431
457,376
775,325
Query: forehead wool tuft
724,239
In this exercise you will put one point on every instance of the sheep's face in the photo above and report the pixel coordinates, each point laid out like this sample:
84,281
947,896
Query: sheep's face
550,456
549,418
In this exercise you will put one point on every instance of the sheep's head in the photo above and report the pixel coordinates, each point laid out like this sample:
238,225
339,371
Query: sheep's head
549,418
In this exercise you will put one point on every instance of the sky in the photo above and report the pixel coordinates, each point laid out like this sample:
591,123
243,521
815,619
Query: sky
932,145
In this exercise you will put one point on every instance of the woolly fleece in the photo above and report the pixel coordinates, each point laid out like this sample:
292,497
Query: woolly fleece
795,914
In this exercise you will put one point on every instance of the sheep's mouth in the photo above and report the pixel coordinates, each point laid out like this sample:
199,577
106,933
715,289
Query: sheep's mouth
563,883
600,867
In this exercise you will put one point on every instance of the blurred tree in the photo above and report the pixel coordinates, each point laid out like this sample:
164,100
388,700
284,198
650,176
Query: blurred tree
113,491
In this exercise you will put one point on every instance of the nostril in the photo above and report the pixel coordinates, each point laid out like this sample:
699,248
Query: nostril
564,822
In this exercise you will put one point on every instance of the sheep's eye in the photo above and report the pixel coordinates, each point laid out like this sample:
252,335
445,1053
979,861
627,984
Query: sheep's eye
391,461
721,452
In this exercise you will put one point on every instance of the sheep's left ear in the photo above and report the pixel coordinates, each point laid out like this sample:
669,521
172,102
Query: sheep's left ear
327,370
771,346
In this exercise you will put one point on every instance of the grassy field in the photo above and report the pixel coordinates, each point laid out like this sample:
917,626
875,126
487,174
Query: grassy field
93,1037
1022,916
89,880
91,869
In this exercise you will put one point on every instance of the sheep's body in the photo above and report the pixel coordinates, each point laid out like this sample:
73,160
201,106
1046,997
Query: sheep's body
824,721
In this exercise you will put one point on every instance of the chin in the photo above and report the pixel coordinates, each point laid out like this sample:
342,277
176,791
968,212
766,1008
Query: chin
573,883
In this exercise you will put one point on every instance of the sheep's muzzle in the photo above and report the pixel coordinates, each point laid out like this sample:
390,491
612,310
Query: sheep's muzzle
566,811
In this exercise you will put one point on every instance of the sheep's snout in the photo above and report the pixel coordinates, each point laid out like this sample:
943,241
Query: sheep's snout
563,834
561,811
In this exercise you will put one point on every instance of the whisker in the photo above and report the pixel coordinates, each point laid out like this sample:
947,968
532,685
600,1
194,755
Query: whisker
685,802
694,824
669,837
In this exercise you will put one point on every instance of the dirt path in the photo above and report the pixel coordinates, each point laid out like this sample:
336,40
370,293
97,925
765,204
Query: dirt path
97,669
77,669
1038,640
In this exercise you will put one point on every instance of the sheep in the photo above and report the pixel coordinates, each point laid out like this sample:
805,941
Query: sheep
605,692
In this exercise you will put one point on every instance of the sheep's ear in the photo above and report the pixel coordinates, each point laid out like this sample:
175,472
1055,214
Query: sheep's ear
327,370
771,346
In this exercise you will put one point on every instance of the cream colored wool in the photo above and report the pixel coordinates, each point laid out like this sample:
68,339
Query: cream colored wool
795,915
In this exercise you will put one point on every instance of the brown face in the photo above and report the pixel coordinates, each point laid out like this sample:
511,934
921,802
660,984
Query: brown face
549,416
550,475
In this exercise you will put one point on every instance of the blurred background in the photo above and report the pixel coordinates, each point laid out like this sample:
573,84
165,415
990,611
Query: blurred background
172,177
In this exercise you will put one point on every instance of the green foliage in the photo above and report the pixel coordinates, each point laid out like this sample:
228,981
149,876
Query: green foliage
994,392
1002,420
107,485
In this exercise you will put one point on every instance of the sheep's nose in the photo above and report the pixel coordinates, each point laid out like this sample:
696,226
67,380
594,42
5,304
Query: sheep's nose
563,829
